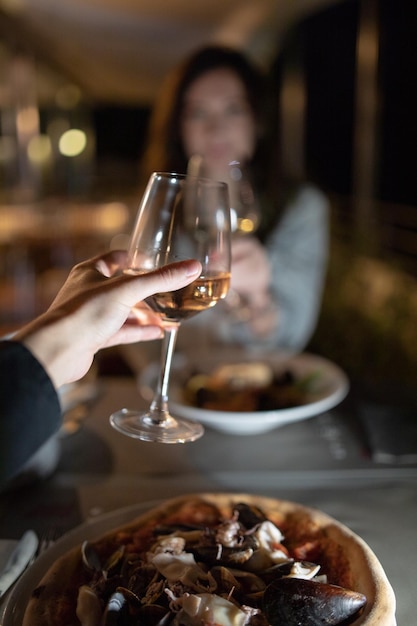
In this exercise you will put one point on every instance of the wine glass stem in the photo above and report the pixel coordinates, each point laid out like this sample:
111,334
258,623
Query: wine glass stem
159,407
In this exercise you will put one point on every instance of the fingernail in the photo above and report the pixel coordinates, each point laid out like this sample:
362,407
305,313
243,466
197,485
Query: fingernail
193,267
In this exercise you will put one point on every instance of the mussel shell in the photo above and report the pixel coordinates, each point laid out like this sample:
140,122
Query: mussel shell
114,562
299,602
277,571
249,514
90,557
141,577
209,554
117,610
238,580
225,580
123,603
132,599
168,529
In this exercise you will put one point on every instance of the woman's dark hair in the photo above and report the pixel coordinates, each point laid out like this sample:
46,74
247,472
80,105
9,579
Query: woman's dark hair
165,148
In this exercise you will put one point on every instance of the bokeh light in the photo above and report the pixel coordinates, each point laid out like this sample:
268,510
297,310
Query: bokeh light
39,149
72,142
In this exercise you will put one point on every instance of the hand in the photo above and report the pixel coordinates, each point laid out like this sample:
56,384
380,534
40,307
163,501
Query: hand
251,271
93,310
251,275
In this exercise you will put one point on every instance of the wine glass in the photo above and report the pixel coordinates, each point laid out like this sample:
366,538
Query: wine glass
245,210
180,217
245,218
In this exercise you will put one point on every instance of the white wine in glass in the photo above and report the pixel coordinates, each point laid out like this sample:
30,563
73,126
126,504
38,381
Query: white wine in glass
180,217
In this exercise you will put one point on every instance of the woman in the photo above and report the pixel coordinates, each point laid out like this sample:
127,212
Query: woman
91,311
212,112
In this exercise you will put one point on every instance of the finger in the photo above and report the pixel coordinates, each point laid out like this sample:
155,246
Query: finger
132,334
141,314
168,278
111,262
102,264
127,289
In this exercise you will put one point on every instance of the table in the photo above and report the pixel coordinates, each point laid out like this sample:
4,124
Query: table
321,462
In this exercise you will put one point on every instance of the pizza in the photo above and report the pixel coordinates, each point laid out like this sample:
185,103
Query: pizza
212,560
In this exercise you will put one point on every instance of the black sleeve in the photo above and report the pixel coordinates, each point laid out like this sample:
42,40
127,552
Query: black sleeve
29,407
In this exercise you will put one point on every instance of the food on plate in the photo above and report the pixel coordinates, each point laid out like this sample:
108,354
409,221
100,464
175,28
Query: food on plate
247,387
215,559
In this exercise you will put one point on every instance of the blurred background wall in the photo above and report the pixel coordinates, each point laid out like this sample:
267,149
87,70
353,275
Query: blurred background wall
77,80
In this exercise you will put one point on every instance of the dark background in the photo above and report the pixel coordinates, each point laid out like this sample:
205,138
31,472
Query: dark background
326,44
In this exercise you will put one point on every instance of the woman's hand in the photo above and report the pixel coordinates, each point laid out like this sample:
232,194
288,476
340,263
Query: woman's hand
251,278
93,310
251,271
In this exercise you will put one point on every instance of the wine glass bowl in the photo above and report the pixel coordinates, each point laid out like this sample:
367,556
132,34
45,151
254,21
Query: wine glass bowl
180,217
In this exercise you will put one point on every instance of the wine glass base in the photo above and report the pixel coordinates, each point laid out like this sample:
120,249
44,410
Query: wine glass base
142,426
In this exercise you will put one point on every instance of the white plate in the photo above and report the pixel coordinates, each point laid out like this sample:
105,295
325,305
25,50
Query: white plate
330,389
365,567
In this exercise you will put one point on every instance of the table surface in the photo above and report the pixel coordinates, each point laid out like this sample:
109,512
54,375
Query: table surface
323,462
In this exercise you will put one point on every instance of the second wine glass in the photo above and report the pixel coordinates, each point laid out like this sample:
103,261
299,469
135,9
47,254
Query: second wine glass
180,217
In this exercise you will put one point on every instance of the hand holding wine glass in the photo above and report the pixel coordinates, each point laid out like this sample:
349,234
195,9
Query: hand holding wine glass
248,256
180,217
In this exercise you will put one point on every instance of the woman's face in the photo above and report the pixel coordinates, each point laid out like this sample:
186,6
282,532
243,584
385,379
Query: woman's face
217,121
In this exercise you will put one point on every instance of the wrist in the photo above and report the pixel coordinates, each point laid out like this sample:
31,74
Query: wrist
49,345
